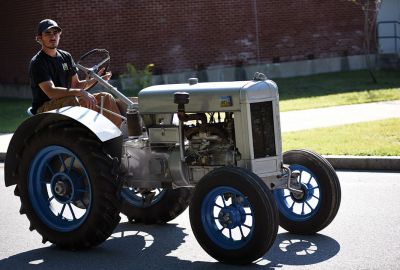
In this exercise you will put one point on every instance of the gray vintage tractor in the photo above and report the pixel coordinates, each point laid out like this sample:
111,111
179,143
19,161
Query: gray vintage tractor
214,146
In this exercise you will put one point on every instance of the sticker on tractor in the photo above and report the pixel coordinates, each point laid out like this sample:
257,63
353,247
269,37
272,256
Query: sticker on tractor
226,101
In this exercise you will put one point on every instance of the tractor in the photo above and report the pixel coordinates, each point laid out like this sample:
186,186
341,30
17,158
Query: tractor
214,147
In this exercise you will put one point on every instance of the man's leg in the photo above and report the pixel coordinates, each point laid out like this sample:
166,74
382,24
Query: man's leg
109,104
58,103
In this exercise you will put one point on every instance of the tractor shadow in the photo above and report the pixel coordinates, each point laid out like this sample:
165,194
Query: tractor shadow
147,247
292,249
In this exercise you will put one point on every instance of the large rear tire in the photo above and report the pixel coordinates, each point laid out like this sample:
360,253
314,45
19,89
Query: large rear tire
68,186
319,204
233,215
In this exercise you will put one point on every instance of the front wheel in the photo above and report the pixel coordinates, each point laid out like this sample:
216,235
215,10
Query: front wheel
315,209
233,215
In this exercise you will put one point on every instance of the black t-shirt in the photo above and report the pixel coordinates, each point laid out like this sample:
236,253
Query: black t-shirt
43,67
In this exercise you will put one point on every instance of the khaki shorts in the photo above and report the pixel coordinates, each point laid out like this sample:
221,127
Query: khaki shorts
58,103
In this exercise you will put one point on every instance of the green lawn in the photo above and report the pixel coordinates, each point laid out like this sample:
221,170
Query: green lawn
333,89
376,138
12,113
381,138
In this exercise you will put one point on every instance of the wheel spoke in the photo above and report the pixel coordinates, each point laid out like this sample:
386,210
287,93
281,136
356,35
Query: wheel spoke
143,202
62,210
50,199
146,201
131,190
302,208
71,165
312,209
62,162
291,207
315,197
80,178
72,211
230,233
234,199
247,226
223,200
241,232
50,169
309,180
216,205
84,204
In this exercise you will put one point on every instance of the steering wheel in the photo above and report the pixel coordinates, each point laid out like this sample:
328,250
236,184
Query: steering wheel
93,61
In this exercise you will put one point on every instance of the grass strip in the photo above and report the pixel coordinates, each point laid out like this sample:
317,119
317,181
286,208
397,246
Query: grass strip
340,99
375,138
339,88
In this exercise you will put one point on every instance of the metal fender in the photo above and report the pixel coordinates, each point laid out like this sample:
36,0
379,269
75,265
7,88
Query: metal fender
104,129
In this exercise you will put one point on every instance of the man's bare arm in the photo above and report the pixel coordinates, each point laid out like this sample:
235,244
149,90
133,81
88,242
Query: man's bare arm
54,92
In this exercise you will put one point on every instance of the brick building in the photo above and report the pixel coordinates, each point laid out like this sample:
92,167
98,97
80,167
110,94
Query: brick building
177,35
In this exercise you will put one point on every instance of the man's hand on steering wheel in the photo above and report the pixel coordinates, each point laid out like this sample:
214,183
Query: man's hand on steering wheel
106,76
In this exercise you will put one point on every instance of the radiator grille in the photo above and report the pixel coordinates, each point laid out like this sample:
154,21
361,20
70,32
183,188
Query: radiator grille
262,123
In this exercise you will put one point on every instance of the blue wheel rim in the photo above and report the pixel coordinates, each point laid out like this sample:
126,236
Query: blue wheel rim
135,198
227,217
59,188
300,209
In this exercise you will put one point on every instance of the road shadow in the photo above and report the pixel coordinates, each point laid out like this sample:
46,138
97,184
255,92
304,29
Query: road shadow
292,249
146,247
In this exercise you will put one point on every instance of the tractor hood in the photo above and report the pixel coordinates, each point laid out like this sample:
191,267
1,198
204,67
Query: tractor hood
206,97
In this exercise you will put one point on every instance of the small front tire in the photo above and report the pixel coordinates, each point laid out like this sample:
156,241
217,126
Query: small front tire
319,204
233,215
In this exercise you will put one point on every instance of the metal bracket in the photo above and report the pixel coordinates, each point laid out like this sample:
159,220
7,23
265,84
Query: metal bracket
289,185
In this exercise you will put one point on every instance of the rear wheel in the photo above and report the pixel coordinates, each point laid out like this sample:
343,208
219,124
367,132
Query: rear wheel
68,188
152,206
318,205
233,215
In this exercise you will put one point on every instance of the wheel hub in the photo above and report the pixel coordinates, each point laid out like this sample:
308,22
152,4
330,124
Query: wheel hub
231,216
62,188
305,195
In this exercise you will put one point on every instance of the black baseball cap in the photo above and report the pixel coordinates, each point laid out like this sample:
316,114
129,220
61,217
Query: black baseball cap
46,25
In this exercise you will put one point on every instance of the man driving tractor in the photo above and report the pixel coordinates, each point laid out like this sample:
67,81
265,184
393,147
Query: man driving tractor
54,79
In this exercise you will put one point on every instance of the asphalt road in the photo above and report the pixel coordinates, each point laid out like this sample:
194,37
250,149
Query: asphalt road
364,235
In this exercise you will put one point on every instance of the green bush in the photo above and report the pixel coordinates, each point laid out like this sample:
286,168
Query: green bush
135,80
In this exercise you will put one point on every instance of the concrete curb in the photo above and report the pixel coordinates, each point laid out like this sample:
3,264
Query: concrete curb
368,163
386,163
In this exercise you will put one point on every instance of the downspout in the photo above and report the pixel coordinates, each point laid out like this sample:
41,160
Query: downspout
257,31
